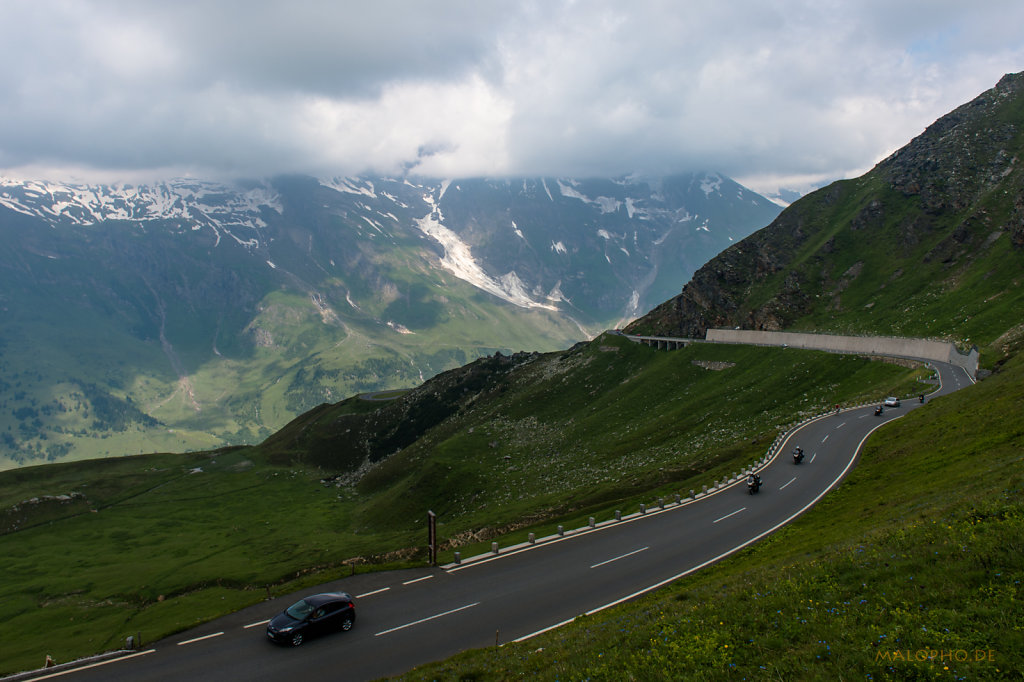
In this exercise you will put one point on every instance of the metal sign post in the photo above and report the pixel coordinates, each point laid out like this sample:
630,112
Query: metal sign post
432,537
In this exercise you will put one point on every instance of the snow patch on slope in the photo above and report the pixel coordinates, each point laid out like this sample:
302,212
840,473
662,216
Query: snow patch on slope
605,204
444,188
568,191
630,207
711,183
224,208
458,260
348,185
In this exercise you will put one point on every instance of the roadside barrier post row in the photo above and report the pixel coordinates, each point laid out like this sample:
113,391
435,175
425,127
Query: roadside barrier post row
770,454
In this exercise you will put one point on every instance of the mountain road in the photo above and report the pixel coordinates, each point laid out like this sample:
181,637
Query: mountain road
407,618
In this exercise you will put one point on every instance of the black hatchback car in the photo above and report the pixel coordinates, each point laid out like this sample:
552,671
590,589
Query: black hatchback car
312,616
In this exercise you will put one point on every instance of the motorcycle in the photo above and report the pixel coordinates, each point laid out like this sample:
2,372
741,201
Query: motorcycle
753,484
921,397
879,410
798,455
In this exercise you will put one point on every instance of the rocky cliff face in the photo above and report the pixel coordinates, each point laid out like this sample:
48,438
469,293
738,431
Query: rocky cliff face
966,153
944,212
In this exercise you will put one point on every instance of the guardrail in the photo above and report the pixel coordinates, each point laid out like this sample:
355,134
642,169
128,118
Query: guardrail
867,345
661,503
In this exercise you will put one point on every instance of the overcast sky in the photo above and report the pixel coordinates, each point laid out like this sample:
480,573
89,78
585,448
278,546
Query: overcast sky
783,93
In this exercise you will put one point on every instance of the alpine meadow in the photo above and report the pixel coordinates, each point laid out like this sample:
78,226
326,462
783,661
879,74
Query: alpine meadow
919,549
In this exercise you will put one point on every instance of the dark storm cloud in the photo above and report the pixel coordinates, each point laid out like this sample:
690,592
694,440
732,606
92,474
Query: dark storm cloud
334,49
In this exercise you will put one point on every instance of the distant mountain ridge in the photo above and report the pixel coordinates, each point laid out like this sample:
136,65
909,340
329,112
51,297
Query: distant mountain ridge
222,310
200,203
664,208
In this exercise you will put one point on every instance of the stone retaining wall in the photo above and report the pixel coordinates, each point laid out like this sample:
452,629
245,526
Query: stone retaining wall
868,345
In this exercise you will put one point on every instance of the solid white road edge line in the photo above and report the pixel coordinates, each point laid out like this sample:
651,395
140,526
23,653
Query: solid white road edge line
95,665
424,620
635,551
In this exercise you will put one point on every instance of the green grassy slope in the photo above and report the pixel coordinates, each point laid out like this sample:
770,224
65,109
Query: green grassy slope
918,550
299,359
929,243
158,543
910,570
584,428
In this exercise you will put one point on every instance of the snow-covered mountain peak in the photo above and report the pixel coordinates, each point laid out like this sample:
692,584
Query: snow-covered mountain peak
515,238
195,203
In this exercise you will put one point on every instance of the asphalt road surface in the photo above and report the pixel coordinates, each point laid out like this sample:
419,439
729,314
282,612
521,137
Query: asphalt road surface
407,618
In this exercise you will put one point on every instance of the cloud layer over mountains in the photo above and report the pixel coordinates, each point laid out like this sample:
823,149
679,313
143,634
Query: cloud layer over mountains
784,93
